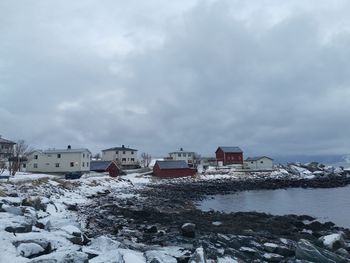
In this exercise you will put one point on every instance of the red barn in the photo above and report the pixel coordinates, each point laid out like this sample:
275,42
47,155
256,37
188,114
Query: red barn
229,155
106,166
172,169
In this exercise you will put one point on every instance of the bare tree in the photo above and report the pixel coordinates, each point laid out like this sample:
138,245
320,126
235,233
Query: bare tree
146,159
97,156
21,152
2,166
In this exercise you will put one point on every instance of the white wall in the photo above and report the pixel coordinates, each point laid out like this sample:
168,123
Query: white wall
182,156
46,162
124,157
261,164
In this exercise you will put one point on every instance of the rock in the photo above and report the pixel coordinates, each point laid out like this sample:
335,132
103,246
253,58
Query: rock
40,225
152,229
34,202
188,230
72,207
272,257
270,247
22,228
13,194
333,241
198,256
81,240
154,256
72,230
307,251
29,250
343,252
66,257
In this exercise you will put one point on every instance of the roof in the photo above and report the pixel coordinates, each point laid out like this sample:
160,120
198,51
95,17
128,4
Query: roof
256,158
181,152
230,149
172,164
99,165
119,149
53,151
2,140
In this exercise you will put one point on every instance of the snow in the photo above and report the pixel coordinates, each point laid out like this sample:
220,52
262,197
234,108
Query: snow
329,240
29,249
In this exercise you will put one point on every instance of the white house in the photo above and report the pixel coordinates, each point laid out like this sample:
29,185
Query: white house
259,163
59,161
123,155
181,155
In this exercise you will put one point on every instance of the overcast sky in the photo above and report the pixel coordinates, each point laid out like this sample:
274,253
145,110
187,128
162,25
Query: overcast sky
270,76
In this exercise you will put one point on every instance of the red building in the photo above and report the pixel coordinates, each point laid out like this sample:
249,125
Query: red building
229,155
106,166
172,169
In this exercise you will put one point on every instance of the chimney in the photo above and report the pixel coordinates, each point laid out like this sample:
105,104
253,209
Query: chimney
123,146
69,147
181,149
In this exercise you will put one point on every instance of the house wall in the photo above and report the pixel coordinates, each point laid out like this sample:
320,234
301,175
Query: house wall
122,157
261,164
46,162
173,172
229,158
6,150
188,157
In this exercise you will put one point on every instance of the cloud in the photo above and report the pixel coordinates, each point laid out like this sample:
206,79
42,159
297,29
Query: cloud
272,78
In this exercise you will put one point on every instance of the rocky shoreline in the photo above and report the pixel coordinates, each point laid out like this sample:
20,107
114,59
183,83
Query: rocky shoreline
136,218
164,210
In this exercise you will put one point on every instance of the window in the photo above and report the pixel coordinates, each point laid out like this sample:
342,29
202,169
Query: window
116,152
87,164
116,159
132,152
261,161
24,165
83,164
71,164
35,165
58,155
35,156
57,165
132,159
123,152
251,162
179,155
83,155
123,159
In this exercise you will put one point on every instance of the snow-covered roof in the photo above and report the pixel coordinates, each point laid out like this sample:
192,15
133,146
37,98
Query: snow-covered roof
172,164
119,149
257,158
2,140
230,149
54,151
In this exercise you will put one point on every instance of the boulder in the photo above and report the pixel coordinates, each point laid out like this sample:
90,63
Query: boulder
333,241
29,250
198,256
151,229
154,256
307,251
21,228
34,202
188,230
272,257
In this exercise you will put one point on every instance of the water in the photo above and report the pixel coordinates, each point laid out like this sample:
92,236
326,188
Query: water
331,204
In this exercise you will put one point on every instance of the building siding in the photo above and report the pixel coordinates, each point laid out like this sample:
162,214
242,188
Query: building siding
179,172
48,162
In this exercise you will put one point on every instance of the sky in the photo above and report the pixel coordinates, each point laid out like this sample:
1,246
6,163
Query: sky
270,76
